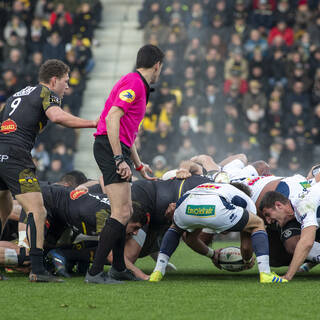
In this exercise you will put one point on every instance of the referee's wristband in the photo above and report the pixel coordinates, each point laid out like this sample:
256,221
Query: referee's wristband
140,167
210,253
118,157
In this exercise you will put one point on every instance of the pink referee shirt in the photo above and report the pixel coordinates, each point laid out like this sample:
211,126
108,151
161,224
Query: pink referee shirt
131,94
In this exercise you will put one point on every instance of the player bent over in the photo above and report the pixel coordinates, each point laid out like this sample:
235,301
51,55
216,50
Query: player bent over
220,207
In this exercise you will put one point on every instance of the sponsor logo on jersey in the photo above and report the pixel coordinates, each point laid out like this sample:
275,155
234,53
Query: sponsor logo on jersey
3,157
76,194
201,211
127,95
8,126
208,186
305,184
55,99
24,92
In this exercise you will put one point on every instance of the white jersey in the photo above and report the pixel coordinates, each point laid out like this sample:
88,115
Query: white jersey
236,169
218,207
307,207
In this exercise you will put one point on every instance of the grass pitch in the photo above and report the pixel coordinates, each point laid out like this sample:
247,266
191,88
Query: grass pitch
197,291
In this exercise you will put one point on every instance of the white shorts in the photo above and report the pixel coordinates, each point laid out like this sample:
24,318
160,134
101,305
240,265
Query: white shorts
208,211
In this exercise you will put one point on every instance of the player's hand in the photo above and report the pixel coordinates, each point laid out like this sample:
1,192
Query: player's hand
250,264
170,211
215,258
95,122
145,171
183,174
81,187
286,277
124,170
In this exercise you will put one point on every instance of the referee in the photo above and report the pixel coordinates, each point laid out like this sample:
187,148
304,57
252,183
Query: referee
114,149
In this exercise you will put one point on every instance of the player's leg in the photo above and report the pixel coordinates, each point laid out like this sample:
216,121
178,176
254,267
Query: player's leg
260,244
113,234
5,208
32,203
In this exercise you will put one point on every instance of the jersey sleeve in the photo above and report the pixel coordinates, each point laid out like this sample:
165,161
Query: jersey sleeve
127,94
307,213
49,99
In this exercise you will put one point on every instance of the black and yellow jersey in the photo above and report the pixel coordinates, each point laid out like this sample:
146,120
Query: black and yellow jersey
23,116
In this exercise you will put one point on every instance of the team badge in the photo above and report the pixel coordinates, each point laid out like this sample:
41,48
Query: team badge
8,126
127,95
76,194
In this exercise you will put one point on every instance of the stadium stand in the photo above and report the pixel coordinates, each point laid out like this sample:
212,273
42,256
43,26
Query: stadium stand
239,76
32,31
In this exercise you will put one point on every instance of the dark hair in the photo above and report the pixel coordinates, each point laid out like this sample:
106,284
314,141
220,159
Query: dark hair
148,56
139,214
269,199
242,187
52,68
74,178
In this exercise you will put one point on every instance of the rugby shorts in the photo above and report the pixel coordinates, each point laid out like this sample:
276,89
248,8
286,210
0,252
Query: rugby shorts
209,211
104,157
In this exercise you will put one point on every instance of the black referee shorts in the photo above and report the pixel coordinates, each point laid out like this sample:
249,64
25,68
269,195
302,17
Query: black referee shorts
104,157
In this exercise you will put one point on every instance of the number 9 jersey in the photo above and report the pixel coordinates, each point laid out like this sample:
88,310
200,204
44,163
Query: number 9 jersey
23,116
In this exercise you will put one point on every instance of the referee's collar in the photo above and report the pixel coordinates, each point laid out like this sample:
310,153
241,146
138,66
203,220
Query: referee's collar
149,89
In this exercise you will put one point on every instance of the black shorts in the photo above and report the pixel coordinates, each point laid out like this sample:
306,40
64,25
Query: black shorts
17,171
104,157
278,255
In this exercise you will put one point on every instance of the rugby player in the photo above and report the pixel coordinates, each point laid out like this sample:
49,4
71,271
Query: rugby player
84,212
24,115
225,208
275,207
113,148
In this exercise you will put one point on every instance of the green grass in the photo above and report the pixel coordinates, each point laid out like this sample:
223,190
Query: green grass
197,291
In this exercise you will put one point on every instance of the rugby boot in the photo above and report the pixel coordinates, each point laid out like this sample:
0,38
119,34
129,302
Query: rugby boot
156,276
100,278
271,278
43,277
59,263
126,274
306,267
171,267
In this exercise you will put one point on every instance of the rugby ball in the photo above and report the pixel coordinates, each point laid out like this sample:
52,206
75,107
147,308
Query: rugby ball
230,259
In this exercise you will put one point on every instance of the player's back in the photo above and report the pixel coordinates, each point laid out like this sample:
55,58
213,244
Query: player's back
24,116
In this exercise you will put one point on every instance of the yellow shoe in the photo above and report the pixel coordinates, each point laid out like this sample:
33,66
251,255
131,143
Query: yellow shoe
271,278
156,276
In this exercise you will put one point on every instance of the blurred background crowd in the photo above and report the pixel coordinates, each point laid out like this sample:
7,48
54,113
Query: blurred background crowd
239,76
32,31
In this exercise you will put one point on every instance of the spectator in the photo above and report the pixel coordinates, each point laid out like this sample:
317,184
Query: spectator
255,42
15,25
156,27
283,31
254,96
54,48
32,68
185,151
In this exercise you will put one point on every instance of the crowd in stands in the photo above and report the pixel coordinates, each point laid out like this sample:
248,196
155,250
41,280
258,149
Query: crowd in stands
239,76
32,31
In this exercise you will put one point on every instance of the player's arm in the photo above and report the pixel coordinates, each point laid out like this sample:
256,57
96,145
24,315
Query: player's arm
241,156
57,115
193,241
188,168
207,162
303,247
143,168
246,249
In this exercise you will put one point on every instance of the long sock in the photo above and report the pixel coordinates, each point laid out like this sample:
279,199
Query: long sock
118,251
169,244
314,253
260,246
109,235
36,258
